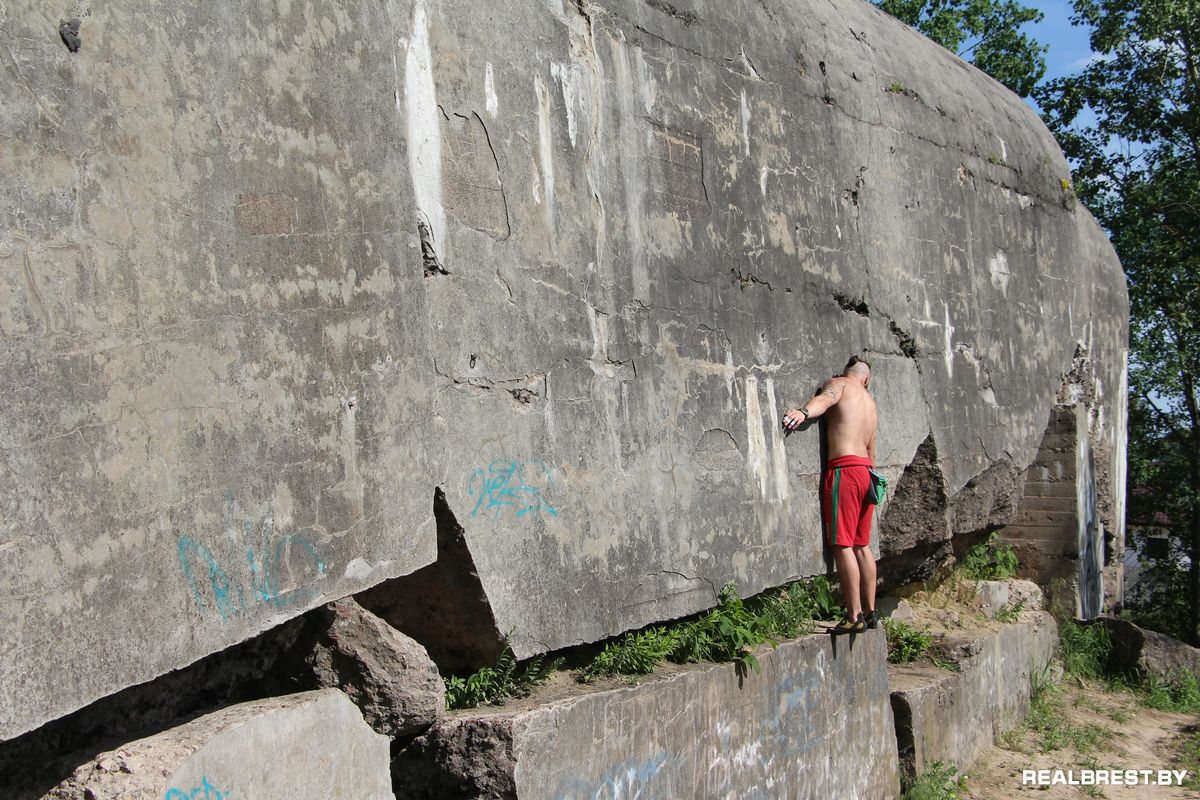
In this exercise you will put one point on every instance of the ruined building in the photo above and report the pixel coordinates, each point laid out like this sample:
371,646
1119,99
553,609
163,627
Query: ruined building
487,314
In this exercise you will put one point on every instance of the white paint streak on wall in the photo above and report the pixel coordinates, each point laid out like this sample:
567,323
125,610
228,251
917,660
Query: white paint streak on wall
645,81
1121,448
545,148
998,267
756,457
632,174
745,122
491,102
567,77
778,453
948,332
424,131
729,371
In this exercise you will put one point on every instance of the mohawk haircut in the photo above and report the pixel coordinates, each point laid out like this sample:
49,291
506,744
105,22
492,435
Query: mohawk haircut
855,361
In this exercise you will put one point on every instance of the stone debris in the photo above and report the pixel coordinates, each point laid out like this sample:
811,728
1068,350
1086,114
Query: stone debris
389,676
1147,654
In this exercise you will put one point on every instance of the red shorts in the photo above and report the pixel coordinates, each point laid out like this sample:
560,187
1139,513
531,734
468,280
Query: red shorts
845,512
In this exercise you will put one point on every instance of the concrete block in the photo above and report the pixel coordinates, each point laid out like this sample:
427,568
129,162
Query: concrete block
307,746
954,717
814,723
996,595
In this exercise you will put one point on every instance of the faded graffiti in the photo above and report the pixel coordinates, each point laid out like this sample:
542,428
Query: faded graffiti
270,558
209,793
520,485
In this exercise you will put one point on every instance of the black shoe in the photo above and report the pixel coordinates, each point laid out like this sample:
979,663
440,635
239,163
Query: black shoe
858,625
872,618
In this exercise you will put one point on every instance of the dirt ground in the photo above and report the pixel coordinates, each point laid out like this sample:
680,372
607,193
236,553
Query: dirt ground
1128,736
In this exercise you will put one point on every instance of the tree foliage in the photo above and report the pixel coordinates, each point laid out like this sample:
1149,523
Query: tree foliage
987,32
1130,123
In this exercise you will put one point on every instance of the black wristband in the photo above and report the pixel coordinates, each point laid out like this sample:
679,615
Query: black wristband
804,410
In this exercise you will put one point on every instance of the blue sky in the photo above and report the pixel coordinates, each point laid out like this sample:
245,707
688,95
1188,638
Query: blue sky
1069,48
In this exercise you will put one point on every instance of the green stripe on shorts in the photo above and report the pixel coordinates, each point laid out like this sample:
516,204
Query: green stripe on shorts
833,526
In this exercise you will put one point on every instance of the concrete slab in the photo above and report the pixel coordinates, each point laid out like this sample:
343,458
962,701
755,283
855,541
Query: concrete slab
270,277
953,717
307,746
815,723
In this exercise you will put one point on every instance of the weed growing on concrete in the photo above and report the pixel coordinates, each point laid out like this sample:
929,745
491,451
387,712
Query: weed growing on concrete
938,782
945,663
1068,193
896,87
906,643
990,561
729,632
494,685
1010,612
636,653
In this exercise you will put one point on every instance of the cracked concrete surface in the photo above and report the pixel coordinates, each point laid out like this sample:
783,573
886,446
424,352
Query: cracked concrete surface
271,277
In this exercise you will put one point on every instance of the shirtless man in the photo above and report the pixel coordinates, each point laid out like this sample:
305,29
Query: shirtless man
850,431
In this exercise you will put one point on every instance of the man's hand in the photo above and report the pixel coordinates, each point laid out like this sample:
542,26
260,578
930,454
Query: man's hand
794,419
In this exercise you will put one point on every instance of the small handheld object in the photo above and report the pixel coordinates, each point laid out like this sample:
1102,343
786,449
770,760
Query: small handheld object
878,490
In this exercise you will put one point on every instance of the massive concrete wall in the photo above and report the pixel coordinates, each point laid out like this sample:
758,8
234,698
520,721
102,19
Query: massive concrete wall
273,272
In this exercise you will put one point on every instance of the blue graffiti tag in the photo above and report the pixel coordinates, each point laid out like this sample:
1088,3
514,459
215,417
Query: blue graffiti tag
266,561
210,793
520,485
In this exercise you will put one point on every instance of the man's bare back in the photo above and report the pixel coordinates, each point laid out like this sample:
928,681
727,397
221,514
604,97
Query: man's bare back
853,419
850,409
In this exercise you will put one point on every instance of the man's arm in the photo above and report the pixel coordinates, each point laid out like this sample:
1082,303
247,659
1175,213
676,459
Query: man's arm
871,449
821,402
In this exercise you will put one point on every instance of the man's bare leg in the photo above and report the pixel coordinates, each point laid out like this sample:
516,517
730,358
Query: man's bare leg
866,570
847,570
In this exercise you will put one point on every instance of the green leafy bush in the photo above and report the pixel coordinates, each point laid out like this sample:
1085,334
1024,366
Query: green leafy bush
906,643
990,561
938,782
494,685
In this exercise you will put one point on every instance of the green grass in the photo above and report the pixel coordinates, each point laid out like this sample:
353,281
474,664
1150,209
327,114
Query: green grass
906,643
494,685
938,782
1047,721
990,561
1180,694
1188,756
1083,649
